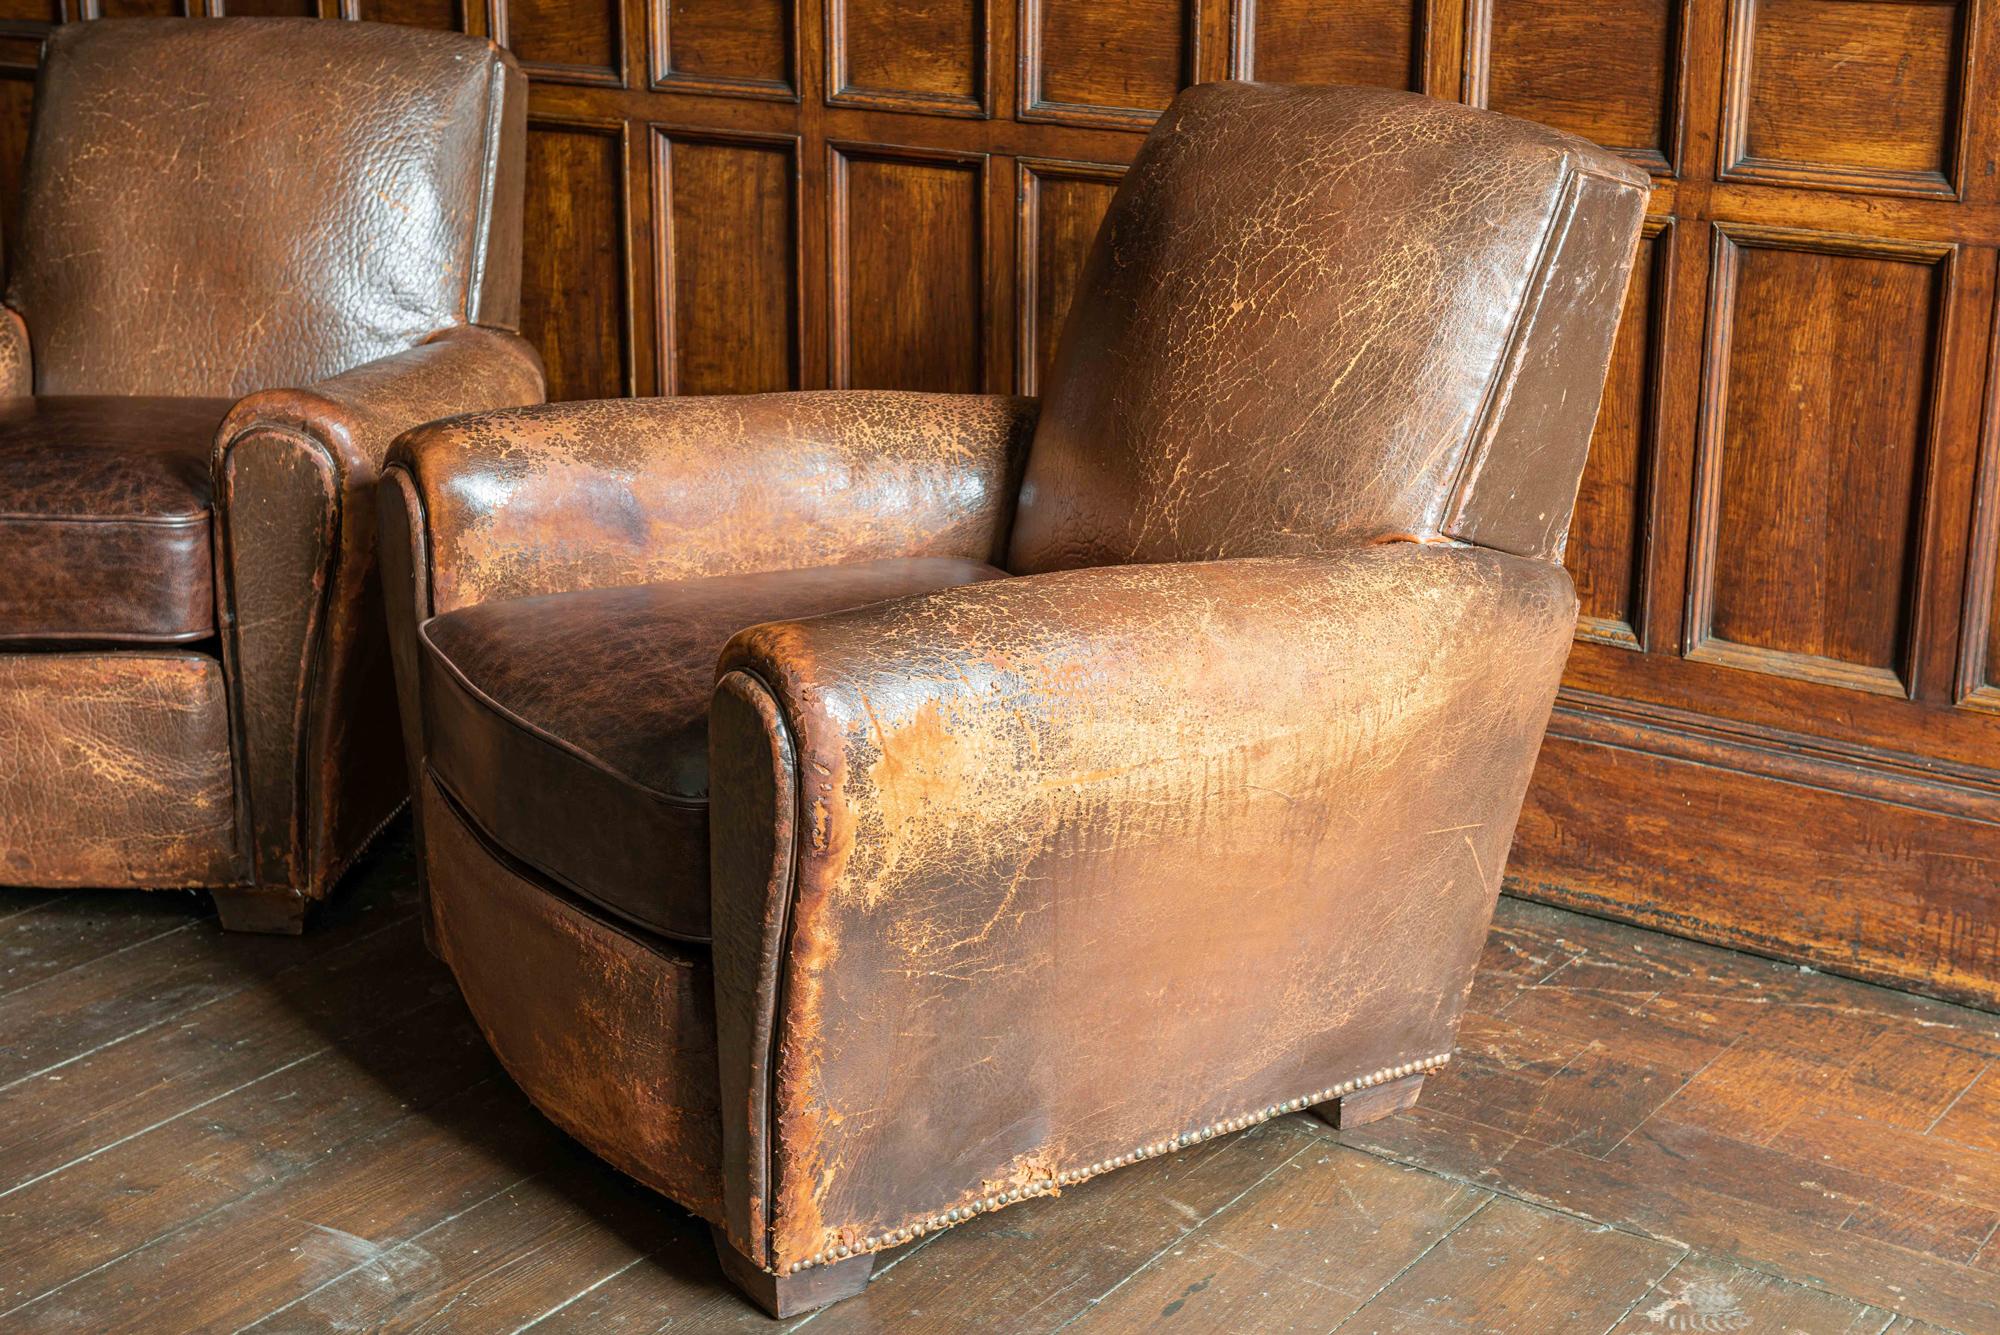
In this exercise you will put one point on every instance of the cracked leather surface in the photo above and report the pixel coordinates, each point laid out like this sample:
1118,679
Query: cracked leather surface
114,771
1296,328
581,495
311,197
105,519
551,714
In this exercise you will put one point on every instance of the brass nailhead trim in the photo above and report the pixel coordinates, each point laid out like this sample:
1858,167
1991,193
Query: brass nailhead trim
1070,1177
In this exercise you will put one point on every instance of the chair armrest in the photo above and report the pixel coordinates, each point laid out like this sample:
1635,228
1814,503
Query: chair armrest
578,495
1135,853
308,666
17,360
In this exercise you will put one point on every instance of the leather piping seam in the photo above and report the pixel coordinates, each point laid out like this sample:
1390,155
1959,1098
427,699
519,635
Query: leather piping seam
489,159
545,737
1054,1184
1500,391
196,519
110,640
295,835
780,972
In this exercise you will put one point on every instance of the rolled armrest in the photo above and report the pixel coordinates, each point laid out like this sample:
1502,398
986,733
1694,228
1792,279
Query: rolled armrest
295,471
578,495
1086,864
17,363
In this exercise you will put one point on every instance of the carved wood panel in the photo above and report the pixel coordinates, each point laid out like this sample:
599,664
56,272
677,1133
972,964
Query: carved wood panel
1787,542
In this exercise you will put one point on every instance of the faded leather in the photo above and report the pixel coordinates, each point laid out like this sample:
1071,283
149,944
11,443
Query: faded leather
622,492
1065,813
551,714
105,520
367,257
1299,330
117,770
1198,819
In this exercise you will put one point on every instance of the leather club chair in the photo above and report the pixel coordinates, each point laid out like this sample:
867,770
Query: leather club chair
851,813
252,253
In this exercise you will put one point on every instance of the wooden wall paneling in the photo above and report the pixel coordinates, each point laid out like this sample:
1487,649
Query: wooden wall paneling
1112,65
576,286
1813,454
1612,74
927,56
732,48
727,212
563,41
1610,546
1976,677
443,15
1379,43
907,268
1060,206
1861,95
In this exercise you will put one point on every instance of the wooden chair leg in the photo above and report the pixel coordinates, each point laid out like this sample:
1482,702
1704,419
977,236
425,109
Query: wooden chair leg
1369,1105
789,1295
276,912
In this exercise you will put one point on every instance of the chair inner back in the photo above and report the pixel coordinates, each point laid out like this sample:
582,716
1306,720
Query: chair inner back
1320,316
213,207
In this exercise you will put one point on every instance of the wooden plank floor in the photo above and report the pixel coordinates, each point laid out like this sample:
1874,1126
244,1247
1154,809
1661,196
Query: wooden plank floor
205,1132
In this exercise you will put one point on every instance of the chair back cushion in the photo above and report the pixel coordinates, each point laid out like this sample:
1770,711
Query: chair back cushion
1321,316
211,207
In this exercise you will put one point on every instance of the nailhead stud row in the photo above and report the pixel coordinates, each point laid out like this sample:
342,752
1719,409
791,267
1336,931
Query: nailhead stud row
1071,1176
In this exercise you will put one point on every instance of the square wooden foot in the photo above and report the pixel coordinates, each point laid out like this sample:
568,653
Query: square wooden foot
1369,1105
275,912
789,1295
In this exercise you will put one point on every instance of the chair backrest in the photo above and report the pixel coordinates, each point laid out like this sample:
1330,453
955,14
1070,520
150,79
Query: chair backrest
217,206
1321,316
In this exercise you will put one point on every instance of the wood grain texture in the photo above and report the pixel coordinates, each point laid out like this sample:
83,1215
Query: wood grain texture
1379,43
576,213
1637,1134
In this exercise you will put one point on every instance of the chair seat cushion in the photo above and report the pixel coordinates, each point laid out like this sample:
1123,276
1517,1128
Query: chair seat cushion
572,728
105,520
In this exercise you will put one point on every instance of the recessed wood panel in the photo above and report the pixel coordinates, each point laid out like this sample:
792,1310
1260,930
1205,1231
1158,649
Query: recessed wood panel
562,41
908,254
444,15
1855,94
17,108
1062,204
742,48
1606,72
139,9
1813,448
728,251
1607,544
271,9
573,281
1089,63
1378,43
907,55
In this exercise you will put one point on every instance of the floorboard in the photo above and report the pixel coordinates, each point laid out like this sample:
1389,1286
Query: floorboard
1638,1136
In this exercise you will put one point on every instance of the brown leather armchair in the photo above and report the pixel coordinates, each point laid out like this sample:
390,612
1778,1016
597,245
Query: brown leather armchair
251,254
848,832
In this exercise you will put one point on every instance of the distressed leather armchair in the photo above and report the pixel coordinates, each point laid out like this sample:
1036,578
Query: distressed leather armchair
251,254
851,813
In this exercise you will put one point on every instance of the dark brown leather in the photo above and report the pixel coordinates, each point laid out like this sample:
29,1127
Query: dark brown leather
320,764
582,495
114,770
213,208
104,519
1320,316
551,715
1019,882
619,1052
357,270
